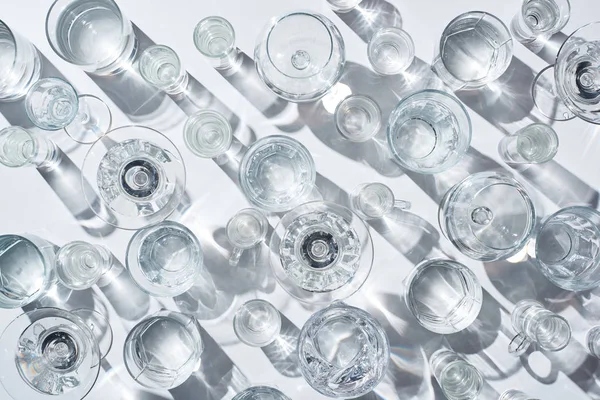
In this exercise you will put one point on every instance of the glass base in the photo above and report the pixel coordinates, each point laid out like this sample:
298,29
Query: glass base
545,96
93,120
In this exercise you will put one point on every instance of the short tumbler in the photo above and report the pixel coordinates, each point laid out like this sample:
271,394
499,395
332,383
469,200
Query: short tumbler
375,200
214,37
513,394
458,379
79,265
207,134
21,148
257,323
358,118
390,51
540,19
261,393
160,66
534,144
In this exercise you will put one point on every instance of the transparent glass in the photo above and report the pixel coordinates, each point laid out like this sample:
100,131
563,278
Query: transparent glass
20,148
488,216
48,352
165,259
207,134
567,248
458,379
476,48
160,66
390,51
257,323
277,173
546,98
92,34
577,72
534,144
444,296
513,394
20,64
343,351
261,393
375,200
300,56
429,132
593,341
163,350
342,6
79,265
98,324
539,19
358,118
214,37
137,173
321,252
245,230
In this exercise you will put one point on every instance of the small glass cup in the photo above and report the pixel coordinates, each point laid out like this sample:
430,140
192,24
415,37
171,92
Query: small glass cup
593,341
539,19
343,6
261,393
257,323
390,51
160,66
458,379
475,49
488,216
214,37
93,35
535,144
52,104
345,345
165,259
444,296
79,265
358,118
20,64
375,200
546,98
245,230
300,56
207,134
163,350
567,248
19,148
513,394
429,132
277,173
48,352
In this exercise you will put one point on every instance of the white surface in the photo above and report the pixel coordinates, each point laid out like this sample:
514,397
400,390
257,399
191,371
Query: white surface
28,204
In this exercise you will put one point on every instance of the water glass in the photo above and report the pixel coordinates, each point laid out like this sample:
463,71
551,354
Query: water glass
343,6
358,118
257,323
343,351
20,148
163,350
390,51
261,393
214,37
513,394
92,34
444,296
160,66
593,341
429,132
488,216
79,265
207,134
375,200
540,19
567,248
458,379
245,230
545,96
535,144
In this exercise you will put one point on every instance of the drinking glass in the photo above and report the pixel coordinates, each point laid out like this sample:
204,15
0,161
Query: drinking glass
535,324
546,98
52,104
163,350
343,351
429,132
535,144
513,394
321,252
300,56
165,259
358,118
375,200
257,323
137,173
20,64
567,248
593,341
20,148
48,352
488,216
390,51
343,6
26,269
540,19
444,296
92,34
207,134
245,230
79,265
214,37
277,173
476,48
458,379
261,393
160,66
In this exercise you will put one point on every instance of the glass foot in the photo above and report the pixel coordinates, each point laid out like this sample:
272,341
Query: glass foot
545,96
92,122
99,326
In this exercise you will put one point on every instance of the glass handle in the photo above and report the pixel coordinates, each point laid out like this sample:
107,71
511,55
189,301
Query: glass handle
519,344
235,256
402,204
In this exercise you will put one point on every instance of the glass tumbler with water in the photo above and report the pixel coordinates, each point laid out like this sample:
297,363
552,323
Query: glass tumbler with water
535,144
513,394
207,134
458,379
261,393
390,51
540,19
79,265
214,37
358,118
257,323
20,148
160,66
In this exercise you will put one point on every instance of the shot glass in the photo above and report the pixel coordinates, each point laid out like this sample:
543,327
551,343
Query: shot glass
513,394
343,6
79,265
20,148
567,248
429,132
458,379
160,66
207,134
214,38
390,51
245,230
534,144
540,19
593,341
375,200
261,393
257,323
358,118
546,98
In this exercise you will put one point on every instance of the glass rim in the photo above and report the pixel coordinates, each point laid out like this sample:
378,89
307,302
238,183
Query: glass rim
216,18
558,26
162,47
563,320
484,14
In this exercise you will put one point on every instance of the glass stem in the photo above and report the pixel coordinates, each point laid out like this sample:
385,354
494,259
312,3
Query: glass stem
402,204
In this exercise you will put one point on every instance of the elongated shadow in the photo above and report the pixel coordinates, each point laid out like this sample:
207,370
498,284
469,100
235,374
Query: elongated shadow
370,16
282,352
547,49
112,385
